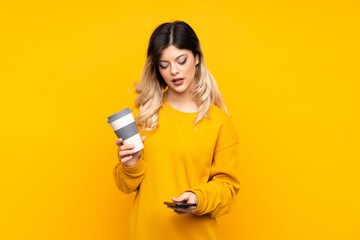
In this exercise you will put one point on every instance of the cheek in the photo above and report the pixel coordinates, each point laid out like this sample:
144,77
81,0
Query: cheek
190,70
165,75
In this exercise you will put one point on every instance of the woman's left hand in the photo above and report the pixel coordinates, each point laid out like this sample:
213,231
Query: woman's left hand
186,197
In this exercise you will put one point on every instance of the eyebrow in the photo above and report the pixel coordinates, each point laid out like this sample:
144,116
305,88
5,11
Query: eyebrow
175,58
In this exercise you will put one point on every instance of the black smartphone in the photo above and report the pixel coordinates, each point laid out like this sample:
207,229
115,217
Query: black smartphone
182,205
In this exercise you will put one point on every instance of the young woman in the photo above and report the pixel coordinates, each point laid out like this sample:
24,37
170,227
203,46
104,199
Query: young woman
191,150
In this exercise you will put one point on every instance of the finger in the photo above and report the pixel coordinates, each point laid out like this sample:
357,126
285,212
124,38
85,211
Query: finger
178,199
191,209
193,199
127,146
182,198
183,209
143,138
126,153
180,213
126,159
119,142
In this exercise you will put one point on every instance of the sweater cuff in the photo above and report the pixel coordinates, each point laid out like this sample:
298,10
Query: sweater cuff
137,168
201,204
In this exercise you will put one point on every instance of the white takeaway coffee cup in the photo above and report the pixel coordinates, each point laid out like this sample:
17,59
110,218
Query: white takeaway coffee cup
125,127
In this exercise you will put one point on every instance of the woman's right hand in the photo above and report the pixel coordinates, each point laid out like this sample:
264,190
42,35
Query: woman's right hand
126,154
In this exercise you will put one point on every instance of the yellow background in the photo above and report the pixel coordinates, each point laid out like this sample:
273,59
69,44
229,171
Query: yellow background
288,72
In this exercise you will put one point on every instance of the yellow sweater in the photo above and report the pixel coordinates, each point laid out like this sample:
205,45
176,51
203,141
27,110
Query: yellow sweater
178,158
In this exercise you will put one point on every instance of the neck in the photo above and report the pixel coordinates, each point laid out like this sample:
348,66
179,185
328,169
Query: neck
181,101
179,98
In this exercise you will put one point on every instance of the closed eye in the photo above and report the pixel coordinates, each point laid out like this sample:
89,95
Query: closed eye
183,62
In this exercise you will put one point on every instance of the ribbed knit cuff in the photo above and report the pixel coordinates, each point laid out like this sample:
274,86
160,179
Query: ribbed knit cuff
137,168
201,204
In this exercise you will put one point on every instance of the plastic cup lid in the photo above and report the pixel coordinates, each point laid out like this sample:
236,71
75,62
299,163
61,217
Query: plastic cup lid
119,115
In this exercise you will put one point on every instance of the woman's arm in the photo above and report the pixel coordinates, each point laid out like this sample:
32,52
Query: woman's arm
217,196
128,179
130,171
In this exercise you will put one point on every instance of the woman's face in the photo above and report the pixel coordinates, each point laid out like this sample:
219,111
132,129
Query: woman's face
177,63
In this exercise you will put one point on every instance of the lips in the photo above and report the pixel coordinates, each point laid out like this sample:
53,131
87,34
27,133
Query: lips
178,81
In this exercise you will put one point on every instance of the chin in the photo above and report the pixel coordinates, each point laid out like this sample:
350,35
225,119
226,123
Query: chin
179,90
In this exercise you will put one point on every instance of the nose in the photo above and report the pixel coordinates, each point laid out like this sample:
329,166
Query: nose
174,70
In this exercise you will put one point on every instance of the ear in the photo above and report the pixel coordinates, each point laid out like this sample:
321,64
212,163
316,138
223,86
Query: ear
197,59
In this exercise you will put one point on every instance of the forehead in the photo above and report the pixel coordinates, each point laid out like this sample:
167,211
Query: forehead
172,52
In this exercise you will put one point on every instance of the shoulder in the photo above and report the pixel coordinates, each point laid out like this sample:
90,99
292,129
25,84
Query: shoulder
226,130
218,115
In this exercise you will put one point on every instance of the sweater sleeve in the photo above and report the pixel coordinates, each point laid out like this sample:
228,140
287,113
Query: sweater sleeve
217,196
128,179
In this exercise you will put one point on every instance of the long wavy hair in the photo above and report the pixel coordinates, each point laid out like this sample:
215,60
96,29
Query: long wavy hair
152,86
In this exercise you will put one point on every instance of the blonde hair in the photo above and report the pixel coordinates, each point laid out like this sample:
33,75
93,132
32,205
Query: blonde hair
152,86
